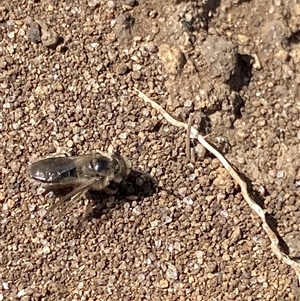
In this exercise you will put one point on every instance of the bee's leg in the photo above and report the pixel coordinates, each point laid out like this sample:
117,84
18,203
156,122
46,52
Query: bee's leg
101,184
110,190
54,206
74,198
88,207
74,194
88,210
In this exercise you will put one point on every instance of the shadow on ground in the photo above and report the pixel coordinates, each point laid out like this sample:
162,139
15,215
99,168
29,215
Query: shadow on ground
135,187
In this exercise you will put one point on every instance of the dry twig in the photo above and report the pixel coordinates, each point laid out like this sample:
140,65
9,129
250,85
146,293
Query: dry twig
188,139
275,245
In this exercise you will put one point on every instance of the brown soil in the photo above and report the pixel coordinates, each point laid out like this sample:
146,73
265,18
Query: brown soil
175,230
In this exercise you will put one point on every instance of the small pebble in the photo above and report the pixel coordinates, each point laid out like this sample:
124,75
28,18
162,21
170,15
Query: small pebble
21,293
70,143
141,277
280,174
111,4
163,283
171,272
11,34
188,201
35,33
52,108
123,136
130,2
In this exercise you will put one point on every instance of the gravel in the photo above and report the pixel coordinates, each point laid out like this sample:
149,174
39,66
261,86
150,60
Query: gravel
174,231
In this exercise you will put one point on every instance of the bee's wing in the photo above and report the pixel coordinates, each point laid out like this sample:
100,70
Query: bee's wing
73,194
62,185
54,169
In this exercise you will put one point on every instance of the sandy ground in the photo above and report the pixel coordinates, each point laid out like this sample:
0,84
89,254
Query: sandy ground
175,230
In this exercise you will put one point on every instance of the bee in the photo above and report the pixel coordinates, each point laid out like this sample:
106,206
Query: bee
79,173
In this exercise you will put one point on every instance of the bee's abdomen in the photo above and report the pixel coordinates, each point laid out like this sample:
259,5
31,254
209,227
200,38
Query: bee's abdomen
48,171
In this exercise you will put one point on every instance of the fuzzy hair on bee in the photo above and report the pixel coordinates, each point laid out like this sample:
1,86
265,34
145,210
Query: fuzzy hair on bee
79,173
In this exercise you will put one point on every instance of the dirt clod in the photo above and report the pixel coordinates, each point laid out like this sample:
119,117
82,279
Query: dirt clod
49,37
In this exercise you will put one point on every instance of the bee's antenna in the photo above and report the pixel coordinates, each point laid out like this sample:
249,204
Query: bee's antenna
139,147
118,149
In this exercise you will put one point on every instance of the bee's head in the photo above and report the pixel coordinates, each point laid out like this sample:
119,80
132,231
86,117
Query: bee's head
121,167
